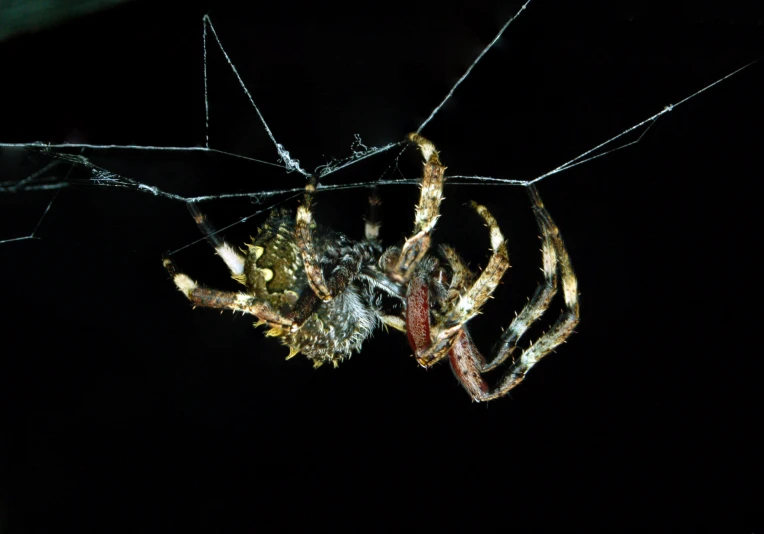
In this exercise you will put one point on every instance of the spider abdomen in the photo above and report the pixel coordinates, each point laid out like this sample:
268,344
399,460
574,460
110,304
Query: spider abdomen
330,330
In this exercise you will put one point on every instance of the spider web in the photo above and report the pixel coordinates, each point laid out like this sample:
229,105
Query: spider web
75,164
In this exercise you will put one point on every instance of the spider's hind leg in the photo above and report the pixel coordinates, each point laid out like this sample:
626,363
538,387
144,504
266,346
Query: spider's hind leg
200,295
232,258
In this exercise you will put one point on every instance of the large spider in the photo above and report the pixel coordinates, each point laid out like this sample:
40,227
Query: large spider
322,294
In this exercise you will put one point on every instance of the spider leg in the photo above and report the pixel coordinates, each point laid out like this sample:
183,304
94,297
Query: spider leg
466,360
564,325
539,303
418,313
304,237
344,272
427,212
469,303
372,224
229,254
224,300
464,357
346,265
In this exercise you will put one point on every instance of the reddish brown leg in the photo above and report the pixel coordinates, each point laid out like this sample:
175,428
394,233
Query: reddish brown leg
418,323
418,314
466,362
464,357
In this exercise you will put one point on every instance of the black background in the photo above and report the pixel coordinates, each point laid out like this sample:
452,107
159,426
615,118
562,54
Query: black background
125,410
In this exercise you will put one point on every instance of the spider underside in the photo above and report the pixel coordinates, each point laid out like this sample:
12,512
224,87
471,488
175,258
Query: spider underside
322,294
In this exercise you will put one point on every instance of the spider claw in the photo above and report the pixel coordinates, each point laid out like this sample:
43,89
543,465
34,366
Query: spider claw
292,353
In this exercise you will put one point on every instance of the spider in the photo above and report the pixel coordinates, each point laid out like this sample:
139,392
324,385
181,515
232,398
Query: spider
322,294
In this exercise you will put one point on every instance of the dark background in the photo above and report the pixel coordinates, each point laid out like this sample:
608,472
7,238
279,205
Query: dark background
125,410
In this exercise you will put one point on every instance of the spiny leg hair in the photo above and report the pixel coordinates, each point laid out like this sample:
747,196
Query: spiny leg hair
223,300
466,360
344,271
565,324
468,305
539,302
427,212
304,236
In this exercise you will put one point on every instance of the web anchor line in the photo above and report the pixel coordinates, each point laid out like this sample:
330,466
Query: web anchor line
286,161
102,177
33,235
472,66
290,163
582,158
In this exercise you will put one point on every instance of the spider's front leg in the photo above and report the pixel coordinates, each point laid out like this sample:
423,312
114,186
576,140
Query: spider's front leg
467,362
304,237
408,267
427,213
345,259
450,330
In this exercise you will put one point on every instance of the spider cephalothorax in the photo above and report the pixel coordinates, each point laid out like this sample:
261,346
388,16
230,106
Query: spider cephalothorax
322,294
